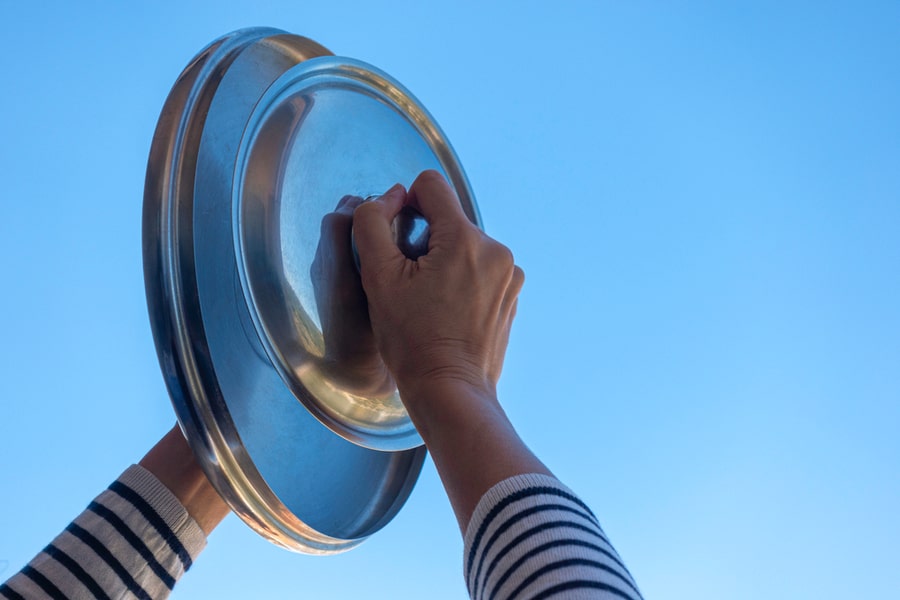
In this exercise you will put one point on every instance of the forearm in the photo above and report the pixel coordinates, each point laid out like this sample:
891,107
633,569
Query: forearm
525,533
441,323
172,462
472,442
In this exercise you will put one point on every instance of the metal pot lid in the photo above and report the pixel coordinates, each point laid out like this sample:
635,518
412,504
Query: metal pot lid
263,148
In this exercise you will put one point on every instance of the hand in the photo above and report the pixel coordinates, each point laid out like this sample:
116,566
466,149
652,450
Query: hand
351,356
446,317
442,324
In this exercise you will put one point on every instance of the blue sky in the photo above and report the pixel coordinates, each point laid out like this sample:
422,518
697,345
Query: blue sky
705,200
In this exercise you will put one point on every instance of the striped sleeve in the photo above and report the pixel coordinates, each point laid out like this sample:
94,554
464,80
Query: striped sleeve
133,541
531,538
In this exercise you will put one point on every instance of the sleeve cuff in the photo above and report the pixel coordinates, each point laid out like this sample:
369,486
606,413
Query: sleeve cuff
167,506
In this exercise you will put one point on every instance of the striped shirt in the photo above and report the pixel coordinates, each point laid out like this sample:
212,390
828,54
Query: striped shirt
530,537
133,541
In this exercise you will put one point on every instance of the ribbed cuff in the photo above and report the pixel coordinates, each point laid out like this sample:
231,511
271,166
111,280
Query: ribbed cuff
167,506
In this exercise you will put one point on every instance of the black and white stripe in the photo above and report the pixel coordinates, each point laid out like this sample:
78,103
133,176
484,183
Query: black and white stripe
531,537
134,540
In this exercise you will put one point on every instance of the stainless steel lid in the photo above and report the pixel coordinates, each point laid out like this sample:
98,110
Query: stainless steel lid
263,148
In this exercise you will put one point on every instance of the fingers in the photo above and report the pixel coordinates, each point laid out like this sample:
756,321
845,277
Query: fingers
337,224
334,233
434,198
372,228
348,204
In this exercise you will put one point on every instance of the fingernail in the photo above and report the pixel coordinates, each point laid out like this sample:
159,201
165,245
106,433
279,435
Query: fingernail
349,200
394,188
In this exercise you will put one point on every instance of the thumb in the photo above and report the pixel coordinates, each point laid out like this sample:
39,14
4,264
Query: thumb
372,229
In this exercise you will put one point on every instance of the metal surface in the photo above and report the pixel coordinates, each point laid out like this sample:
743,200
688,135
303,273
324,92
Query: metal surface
327,129
236,201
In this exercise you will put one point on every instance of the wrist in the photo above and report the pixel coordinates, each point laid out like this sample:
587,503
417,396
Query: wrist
172,462
447,406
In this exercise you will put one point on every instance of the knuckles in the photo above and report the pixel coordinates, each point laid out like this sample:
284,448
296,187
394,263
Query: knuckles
518,278
498,257
491,258
430,177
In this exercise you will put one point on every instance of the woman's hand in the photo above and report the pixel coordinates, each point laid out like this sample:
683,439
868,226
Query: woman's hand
442,324
444,318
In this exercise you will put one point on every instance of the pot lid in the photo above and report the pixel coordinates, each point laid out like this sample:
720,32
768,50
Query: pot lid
265,145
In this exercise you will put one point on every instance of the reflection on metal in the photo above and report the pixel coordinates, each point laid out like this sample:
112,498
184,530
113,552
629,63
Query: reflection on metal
263,148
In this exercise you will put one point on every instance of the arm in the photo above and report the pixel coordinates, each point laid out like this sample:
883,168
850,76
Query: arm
172,462
442,324
446,350
135,539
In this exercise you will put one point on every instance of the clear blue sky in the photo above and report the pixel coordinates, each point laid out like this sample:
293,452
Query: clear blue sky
705,200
